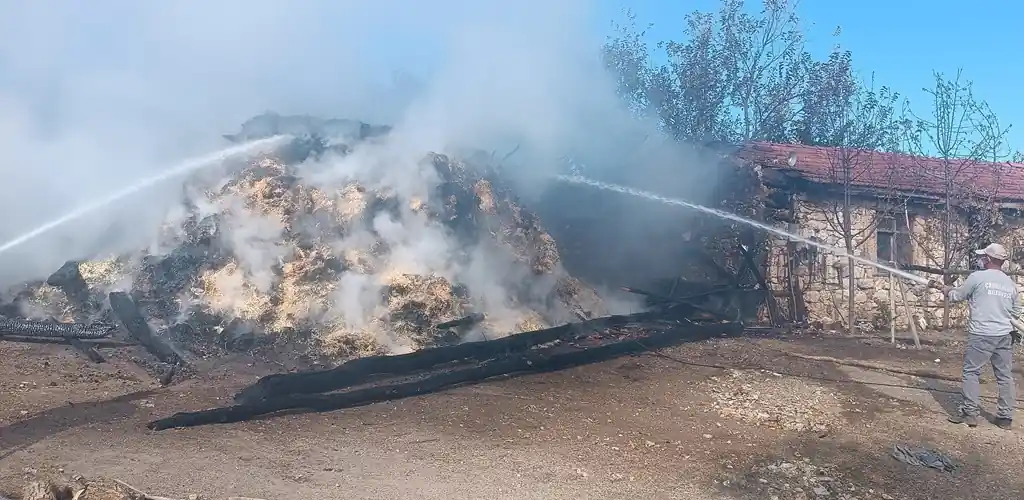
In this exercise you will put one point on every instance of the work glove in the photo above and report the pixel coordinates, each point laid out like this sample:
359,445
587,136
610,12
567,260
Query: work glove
1017,327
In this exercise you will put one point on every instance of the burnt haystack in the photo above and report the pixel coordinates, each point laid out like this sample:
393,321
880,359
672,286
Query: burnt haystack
341,242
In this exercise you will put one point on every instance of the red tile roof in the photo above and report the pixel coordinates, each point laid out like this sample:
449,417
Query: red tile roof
905,173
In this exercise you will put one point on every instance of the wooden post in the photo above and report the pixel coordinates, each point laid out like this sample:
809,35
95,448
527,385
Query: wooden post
910,316
892,308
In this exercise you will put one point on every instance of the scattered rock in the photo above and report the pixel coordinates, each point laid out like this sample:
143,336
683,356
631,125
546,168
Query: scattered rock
41,490
760,398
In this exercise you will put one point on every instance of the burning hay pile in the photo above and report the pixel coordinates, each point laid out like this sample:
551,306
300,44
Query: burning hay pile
358,249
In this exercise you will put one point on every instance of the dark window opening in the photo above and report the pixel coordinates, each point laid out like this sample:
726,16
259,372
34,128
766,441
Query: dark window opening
893,242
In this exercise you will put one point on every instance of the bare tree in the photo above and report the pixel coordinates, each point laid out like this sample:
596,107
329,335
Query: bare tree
858,124
963,139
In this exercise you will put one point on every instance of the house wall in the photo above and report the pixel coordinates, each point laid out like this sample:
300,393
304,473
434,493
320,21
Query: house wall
822,277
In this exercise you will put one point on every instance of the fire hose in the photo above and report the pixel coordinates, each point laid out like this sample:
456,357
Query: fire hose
28,328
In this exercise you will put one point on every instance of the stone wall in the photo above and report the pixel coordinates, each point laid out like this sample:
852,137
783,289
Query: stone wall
823,277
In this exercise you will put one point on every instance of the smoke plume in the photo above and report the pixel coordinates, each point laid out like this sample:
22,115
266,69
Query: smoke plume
96,96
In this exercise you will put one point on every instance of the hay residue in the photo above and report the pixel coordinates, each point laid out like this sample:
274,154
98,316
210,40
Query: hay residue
41,302
356,271
304,289
345,207
530,321
227,291
105,272
416,303
343,342
485,196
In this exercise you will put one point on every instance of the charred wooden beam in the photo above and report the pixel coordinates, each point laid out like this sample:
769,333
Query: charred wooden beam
703,257
654,297
63,340
89,351
692,306
30,328
540,360
70,281
799,305
468,320
773,305
357,370
127,312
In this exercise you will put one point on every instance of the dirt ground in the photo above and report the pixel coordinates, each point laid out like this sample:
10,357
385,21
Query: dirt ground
737,418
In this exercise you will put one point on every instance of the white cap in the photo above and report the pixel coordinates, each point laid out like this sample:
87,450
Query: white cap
995,250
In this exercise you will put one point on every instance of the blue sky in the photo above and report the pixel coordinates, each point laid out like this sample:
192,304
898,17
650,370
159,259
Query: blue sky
900,41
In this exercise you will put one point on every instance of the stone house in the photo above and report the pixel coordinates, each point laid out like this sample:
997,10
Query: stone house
898,214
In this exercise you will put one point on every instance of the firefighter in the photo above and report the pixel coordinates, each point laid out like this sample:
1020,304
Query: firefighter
994,307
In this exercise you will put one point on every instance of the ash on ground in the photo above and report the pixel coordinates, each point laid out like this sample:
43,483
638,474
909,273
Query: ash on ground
351,245
767,399
801,479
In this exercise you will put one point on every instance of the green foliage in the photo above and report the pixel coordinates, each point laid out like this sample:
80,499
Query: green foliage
737,76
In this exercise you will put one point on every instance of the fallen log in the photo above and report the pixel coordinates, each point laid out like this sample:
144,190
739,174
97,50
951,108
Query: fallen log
357,370
540,360
127,312
29,328
61,340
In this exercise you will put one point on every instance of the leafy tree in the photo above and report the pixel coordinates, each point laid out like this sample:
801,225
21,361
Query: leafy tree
627,58
856,123
737,77
960,132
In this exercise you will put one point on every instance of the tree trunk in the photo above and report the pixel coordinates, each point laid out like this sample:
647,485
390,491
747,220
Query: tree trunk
851,285
947,241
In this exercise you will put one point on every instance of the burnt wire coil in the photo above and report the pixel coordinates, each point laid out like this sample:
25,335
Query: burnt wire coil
28,328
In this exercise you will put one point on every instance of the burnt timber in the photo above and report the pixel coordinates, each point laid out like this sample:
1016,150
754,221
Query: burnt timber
522,353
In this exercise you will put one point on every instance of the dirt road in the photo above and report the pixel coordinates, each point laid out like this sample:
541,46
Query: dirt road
722,419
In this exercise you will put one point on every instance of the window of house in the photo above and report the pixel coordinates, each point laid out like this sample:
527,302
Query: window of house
892,238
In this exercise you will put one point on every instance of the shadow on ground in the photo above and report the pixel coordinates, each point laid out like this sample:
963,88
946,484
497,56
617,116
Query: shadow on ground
24,433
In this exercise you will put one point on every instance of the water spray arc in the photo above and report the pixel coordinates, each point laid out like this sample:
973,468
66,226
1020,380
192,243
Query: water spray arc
182,169
577,179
